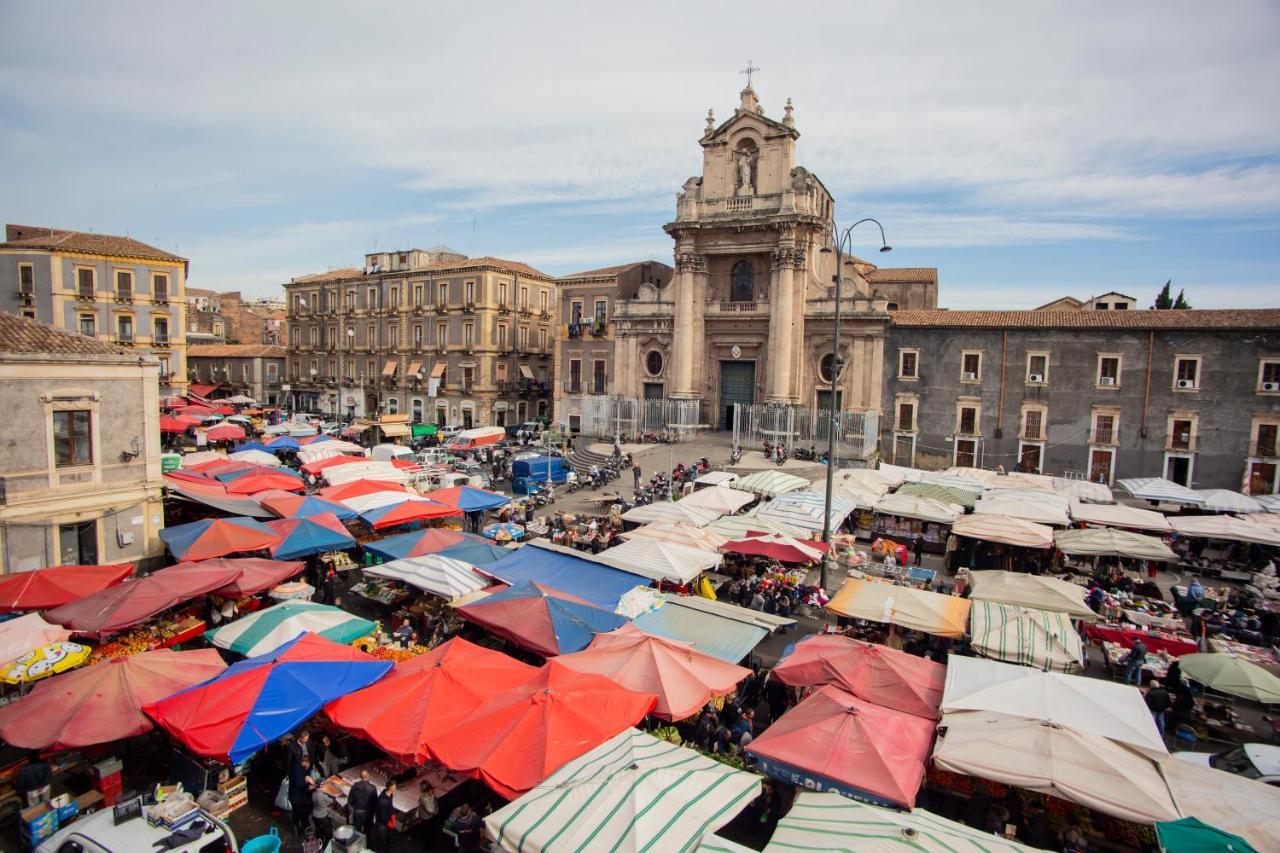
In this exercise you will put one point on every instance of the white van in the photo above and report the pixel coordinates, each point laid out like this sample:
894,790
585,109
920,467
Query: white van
390,452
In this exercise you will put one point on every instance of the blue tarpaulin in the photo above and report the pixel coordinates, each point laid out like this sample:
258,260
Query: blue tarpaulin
591,581
726,639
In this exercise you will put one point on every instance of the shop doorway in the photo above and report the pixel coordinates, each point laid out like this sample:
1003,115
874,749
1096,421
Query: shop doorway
78,544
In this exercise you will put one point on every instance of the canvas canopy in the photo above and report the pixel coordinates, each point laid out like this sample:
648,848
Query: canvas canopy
27,632
716,478
1224,527
1036,507
1004,529
1106,709
1036,638
1109,542
868,480
633,792
660,560
53,587
942,494
679,533
671,511
915,506
726,632
1083,490
877,673
1119,515
568,571
915,609
1063,762
739,526
264,631
806,509
721,500
1159,490
116,608
1037,591
1225,500
1243,806
770,484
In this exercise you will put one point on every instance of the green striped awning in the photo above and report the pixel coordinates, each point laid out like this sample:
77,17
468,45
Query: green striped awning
1035,638
633,792
945,494
829,822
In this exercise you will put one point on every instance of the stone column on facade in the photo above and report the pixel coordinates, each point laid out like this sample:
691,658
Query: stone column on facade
683,344
701,287
797,268
778,387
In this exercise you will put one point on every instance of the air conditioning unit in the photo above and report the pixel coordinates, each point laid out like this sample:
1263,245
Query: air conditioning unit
1108,380
1271,386
970,376
1186,383
1035,377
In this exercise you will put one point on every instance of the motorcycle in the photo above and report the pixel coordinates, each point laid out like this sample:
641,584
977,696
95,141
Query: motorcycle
735,456
779,453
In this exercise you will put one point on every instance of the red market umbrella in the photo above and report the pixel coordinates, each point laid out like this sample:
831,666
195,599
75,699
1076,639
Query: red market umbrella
195,410
257,575
224,410
778,547
217,537
834,741
103,702
319,465
54,587
872,672
261,481
225,432
174,424
126,604
408,511
426,696
524,734
356,488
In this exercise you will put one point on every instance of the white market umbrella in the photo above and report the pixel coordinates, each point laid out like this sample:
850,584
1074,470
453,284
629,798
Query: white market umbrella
1119,515
658,560
679,533
805,509
433,573
1039,591
200,457
1225,500
740,526
671,511
1160,490
720,499
256,457
376,500
1023,635
1109,542
770,484
1224,527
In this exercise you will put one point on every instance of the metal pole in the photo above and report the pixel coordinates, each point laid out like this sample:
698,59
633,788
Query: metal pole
828,562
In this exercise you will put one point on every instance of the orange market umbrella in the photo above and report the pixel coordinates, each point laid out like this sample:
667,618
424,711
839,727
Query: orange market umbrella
872,672
524,734
356,488
426,696
103,702
683,679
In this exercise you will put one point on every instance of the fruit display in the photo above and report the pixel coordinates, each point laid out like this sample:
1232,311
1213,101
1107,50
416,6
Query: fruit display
157,634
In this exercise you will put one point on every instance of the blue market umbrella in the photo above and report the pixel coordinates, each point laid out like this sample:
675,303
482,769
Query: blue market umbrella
283,442
542,619
302,537
253,445
466,547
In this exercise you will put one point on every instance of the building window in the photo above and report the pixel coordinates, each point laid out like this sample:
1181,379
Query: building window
72,438
598,376
395,298
373,335
470,289
542,340
160,287
273,371
1264,440
1186,373
575,375
1182,433
1106,428
88,325
124,284
524,299
375,298
468,335
908,364
417,337
825,369
417,294
742,286
892,306
653,362
315,336
502,294
971,367
1033,424
524,338
124,327
161,335
543,303
906,417
502,336
442,335
442,293
1038,368
244,372
1269,377
84,282
26,278
164,364
1108,371
967,420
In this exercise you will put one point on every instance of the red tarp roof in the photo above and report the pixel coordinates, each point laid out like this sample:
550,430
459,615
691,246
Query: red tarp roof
426,696
521,736
53,587
103,702
124,605
225,432
872,672
356,488
257,575
261,481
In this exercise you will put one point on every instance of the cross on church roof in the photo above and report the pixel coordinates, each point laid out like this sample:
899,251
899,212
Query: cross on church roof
749,70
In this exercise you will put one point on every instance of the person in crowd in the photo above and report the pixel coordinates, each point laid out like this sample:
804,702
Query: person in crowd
322,808
1195,592
636,475
1134,661
384,819
325,757
301,746
361,800
502,536
464,822
35,780
917,549
1158,703
1097,595
300,794
405,635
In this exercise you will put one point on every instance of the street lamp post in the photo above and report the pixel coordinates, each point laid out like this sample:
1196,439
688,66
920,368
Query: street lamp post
841,242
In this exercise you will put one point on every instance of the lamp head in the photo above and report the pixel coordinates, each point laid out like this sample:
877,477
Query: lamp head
826,250
886,248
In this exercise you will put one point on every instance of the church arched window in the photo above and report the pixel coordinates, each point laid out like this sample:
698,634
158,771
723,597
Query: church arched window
743,287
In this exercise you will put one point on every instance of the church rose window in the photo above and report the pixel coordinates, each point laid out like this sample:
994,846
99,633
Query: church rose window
744,281
653,362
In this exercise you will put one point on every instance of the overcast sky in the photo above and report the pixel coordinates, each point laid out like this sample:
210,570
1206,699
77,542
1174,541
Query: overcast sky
1026,149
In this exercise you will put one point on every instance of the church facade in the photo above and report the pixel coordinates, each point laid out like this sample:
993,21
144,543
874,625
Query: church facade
747,317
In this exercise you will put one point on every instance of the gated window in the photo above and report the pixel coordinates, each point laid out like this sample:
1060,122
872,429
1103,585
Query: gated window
744,282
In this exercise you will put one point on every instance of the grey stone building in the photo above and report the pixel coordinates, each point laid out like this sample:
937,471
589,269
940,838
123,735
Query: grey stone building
1191,395
80,478
225,370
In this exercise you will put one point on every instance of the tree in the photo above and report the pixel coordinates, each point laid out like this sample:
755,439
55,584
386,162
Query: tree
1181,302
1164,300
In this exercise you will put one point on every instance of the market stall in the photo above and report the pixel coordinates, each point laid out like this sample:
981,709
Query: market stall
698,516
905,516
1175,643
43,589
776,546
217,537
455,544
721,500
660,561
305,537
563,569
1237,676
875,673
1037,638
288,505
432,573
1037,591
1119,515
1226,500
716,628
770,484
914,609
1033,505
1109,542
266,630
1224,527
540,618
1159,490
806,509
678,533
990,541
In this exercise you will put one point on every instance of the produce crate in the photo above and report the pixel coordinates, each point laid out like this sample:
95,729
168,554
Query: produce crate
38,823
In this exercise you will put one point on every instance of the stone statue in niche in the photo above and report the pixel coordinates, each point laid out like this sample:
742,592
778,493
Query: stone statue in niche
746,167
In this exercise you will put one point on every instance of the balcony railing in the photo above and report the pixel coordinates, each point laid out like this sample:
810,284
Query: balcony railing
85,295
124,296
599,328
160,340
573,330
504,308
124,340
161,299
738,307
572,387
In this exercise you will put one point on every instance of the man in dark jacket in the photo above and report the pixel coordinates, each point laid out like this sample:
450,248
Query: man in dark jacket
1158,702
300,795
361,800
35,780
383,811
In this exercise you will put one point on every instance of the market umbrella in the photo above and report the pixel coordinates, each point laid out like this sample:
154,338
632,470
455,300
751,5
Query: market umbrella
332,460
255,457
433,573
225,432
260,481
778,547
451,543
821,822
659,561
262,631
869,671
679,533
683,679
284,442
124,605
42,662
1037,638
226,470
1192,835
45,588
302,537
914,609
194,461
240,400
218,537
523,734
541,619
103,702
28,632
1231,674
1108,541
427,695
742,526
258,700
632,792
256,574
719,499
515,531
469,498
356,488
253,445
405,512
304,506
171,423
1225,500
839,742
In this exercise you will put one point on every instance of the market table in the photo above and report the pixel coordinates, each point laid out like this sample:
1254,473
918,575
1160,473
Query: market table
1176,646
431,778
157,634
1263,657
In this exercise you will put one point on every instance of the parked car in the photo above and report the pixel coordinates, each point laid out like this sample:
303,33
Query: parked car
1251,760
476,475
447,432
